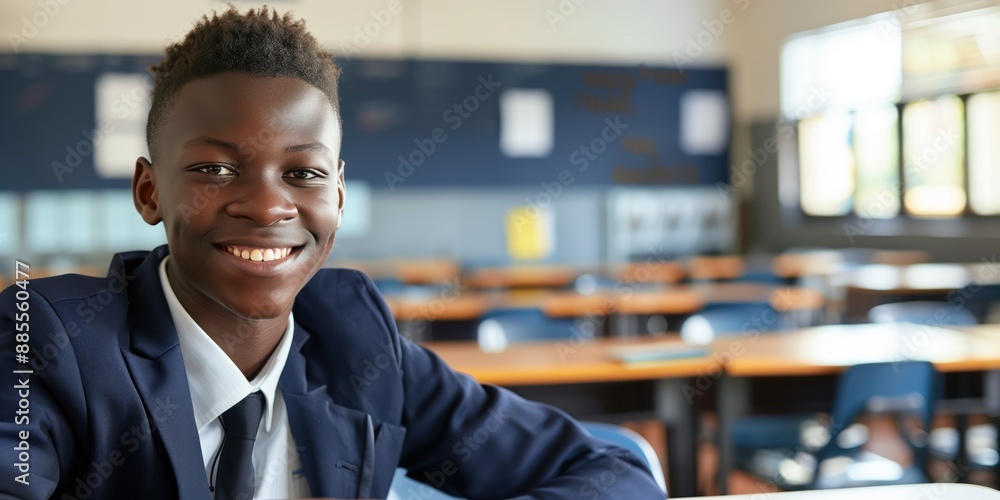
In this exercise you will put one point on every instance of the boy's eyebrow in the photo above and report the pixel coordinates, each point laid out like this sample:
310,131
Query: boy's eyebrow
212,142
307,147
229,145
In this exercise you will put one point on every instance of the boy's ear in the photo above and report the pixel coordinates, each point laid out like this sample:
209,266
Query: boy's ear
342,192
144,195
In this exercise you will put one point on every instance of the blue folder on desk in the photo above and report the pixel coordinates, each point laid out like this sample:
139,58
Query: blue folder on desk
658,352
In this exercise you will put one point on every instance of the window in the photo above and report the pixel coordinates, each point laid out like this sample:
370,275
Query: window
897,114
984,153
933,153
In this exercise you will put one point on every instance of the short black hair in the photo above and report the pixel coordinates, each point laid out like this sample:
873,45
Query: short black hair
260,43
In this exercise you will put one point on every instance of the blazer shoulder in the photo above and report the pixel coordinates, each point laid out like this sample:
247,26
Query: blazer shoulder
64,287
346,302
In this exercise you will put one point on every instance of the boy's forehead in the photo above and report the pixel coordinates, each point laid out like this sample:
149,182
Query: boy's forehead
239,103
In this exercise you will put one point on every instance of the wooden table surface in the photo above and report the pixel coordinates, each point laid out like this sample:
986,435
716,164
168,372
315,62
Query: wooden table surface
679,300
831,349
539,363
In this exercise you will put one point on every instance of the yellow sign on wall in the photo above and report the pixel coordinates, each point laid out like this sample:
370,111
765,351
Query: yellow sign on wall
530,233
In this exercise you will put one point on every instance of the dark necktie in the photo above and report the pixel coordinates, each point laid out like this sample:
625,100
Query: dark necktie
234,479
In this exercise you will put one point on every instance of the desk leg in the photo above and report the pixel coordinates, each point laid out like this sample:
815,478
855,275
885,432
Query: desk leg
734,400
991,394
682,430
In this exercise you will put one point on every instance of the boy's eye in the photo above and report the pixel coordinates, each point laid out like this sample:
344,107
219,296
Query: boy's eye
304,174
216,169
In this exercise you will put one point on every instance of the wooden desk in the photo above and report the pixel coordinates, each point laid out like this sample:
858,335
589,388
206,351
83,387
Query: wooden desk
831,349
725,267
782,298
798,265
936,491
521,277
828,350
448,305
569,362
871,285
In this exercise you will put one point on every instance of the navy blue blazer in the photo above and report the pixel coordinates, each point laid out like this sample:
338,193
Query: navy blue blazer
107,412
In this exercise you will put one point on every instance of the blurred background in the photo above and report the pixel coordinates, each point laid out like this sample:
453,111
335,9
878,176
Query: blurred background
695,168
810,159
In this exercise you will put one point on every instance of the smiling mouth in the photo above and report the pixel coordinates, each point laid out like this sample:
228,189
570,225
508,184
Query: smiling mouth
256,254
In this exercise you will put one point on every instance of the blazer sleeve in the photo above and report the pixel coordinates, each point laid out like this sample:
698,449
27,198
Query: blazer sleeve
36,437
483,441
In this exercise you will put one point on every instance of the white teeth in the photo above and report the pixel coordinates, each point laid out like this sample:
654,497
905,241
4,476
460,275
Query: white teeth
259,254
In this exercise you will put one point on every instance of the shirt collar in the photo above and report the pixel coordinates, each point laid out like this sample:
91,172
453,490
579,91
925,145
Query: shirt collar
215,382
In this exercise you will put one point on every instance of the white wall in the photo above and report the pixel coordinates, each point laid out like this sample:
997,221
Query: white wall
622,31
755,41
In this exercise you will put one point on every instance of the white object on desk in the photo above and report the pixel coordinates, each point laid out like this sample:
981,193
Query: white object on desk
936,491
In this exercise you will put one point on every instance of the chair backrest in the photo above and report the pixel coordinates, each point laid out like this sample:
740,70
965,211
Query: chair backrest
914,382
631,441
924,312
404,488
499,328
721,320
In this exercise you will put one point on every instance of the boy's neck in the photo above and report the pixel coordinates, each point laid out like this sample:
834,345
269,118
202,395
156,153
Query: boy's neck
248,342
252,344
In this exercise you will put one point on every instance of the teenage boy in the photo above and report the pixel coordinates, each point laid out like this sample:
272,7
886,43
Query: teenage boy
227,364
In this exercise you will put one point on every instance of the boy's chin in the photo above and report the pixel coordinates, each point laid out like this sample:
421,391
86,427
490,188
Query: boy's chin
265,307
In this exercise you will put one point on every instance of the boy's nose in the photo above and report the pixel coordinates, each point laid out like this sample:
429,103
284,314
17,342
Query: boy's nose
264,203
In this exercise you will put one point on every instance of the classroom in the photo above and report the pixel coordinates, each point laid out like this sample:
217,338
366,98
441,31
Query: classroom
526,249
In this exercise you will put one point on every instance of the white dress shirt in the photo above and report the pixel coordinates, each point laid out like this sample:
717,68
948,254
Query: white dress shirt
217,384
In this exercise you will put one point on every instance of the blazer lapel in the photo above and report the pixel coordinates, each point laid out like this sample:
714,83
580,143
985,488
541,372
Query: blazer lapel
333,441
157,367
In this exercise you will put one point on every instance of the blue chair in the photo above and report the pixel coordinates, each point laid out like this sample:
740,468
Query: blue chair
749,434
405,488
631,441
725,320
983,445
924,312
901,389
499,328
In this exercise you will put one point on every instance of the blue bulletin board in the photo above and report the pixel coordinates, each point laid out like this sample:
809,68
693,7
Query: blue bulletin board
410,123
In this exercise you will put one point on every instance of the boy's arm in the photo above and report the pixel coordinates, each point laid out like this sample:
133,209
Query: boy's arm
36,438
482,441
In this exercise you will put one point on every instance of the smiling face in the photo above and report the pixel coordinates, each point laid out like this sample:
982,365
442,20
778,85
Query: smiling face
249,186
